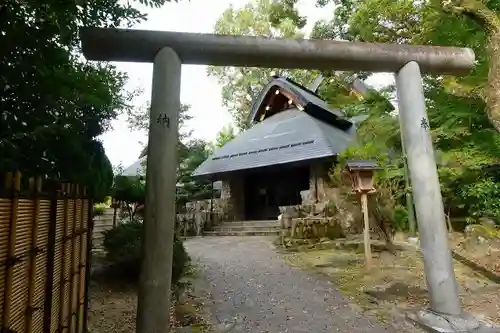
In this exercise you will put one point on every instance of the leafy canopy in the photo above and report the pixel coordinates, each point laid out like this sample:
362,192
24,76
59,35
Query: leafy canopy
461,128
54,105
461,110
241,85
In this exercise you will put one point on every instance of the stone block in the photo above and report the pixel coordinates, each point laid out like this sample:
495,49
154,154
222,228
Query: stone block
307,197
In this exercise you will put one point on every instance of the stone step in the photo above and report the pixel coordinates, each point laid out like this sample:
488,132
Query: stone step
269,224
101,228
245,227
262,232
252,221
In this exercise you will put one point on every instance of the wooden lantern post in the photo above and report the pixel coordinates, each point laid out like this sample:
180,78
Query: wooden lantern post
361,173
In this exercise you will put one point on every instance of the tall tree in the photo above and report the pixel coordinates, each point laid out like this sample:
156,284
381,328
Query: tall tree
193,189
471,23
461,121
484,15
461,114
191,153
241,85
54,105
138,120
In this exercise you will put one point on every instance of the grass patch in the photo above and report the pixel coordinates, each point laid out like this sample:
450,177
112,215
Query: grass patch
395,282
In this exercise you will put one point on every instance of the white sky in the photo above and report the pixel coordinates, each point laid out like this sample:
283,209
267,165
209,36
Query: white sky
124,146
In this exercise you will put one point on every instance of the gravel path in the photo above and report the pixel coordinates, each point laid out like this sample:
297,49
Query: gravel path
254,290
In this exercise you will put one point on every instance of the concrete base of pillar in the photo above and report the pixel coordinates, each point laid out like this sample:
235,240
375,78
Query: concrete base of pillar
440,323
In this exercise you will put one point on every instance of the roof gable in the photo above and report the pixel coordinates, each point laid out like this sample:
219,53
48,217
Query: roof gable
281,94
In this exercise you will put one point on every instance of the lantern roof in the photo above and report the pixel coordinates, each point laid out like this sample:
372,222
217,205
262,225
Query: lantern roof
361,165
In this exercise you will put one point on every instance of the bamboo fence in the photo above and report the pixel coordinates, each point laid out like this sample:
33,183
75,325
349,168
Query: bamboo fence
44,257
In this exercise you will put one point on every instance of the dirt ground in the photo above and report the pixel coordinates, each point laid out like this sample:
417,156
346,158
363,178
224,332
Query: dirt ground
396,281
113,307
394,284
484,253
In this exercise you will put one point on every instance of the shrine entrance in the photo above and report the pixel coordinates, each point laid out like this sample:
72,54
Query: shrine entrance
266,191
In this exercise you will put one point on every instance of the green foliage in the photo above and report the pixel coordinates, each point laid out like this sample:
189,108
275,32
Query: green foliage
400,218
281,10
129,189
54,105
191,153
123,248
225,135
462,134
123,243
99,174
479,198
240,86
461,130
197,151
155,3
99,209
131,192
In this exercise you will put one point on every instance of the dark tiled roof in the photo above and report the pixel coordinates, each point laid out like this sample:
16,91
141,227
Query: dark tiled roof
287,137
136,169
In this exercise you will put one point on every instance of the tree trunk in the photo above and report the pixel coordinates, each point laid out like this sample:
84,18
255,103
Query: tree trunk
448,221
477,11
493,91
129,211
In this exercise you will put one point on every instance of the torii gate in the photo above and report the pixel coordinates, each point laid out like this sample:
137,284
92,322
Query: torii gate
169,50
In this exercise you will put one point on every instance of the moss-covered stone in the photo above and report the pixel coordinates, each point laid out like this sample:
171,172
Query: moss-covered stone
334,231
478,230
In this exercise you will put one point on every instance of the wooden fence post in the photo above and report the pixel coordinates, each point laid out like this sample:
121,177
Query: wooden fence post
72,271
62,279
81,265
90,227
51,245
12,183
35,189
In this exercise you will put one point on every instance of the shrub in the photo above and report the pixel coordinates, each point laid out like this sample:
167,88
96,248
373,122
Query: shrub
400,221
131,192
123,247
99,209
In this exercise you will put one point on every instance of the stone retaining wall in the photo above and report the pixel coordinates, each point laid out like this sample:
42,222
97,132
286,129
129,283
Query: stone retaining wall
312,227
201,215
332,213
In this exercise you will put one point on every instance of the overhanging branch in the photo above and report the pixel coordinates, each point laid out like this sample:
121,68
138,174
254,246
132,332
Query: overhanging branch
476,10
452,86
